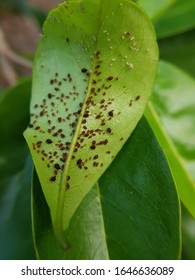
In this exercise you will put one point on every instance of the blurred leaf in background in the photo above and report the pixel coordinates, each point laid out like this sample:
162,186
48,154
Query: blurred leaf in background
168,111
180,50
15,180
188,236
178,19
172,117
155,9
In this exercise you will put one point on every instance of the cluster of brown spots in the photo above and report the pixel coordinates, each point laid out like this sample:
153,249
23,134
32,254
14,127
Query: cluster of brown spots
79,163
100,87
38,144
130,102
48,108
136,99
55,108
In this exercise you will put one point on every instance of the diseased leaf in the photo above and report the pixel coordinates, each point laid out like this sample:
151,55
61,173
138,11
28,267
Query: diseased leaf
126,215
171,114
93,75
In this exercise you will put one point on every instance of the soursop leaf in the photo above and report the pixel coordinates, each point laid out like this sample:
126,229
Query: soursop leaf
93,75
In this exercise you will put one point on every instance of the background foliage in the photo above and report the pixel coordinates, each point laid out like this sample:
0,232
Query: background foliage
170,113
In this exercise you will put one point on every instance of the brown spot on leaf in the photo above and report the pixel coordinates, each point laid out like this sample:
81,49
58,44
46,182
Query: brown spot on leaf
53,179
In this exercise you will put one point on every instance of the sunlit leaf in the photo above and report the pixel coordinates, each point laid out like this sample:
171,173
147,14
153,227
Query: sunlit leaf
90,88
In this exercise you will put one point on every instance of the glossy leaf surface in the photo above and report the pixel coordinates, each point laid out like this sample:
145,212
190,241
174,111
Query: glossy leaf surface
90,88
126,215
171,114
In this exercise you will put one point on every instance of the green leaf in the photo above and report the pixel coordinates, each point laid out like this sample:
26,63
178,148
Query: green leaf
179,50
85,234
188,238
10,101
15,180
90,88
178,19
154,8
125,216
171,114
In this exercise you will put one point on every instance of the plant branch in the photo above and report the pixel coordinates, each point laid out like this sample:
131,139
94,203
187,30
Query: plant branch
10,55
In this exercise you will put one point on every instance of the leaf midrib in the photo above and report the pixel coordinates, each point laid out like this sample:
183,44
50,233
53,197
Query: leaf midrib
58,225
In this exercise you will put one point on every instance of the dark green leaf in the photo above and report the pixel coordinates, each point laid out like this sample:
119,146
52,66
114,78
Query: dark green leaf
188,237
15,179
133,213
180,50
